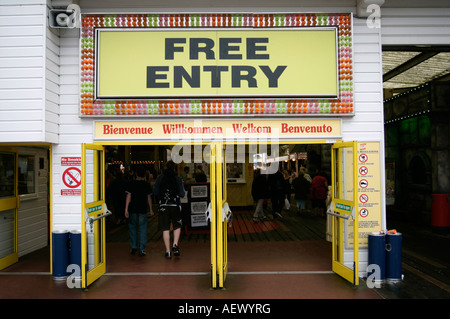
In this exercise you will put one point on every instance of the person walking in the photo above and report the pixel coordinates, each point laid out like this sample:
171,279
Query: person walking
302,186
277,193
260,191
169,189
319,191
139,195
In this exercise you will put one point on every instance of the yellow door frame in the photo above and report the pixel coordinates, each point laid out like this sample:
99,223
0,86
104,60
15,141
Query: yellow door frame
342,211
222,213
213,216
12,203
93,214
218,198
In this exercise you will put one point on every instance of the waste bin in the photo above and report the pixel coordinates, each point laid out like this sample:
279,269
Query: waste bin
60,254
377,255
440,211
75,248
394,257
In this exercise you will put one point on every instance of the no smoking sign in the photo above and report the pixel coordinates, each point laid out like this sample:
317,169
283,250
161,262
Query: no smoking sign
71,176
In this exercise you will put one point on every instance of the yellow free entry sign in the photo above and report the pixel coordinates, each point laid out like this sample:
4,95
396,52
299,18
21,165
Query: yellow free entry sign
217,63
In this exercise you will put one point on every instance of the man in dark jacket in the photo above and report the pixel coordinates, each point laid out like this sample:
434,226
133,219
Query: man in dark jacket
260,191
277,193
169,189
139,195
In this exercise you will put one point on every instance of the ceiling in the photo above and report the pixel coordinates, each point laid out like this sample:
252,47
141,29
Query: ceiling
405,68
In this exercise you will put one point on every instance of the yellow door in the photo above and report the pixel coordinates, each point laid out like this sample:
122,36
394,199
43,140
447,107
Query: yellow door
9,205
344,172
221,215
212,215
94,211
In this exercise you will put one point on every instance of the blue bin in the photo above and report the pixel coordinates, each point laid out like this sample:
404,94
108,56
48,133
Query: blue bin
394,257
75,248
60,253
377,255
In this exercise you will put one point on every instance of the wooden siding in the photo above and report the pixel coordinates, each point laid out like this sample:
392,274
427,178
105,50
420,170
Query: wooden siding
367,124
33,213
22,69
415,26
29,73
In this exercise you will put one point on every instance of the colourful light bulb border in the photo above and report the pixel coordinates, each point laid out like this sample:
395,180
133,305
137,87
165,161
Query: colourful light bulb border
89,106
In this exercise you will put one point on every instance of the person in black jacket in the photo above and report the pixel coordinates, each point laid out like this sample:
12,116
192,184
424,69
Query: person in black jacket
169,189
302,186
260,192
277,193
138,200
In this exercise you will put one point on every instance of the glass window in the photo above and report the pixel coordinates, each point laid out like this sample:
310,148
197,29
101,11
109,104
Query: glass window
27,175
7,177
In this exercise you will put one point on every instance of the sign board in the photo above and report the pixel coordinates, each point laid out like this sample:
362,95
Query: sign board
216,64
369,191
206,63
209,129
71,176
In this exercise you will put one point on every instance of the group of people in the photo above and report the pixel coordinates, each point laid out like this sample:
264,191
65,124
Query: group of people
199,175
167,190
279,186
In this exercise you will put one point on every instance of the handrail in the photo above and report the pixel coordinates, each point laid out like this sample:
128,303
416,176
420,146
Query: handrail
340,216
329,212
108,213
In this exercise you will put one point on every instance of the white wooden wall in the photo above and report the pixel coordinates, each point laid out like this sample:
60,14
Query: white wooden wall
23,115
28,73
416,26
33,213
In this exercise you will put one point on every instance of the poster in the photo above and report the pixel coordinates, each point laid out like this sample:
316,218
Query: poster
70,176
369,190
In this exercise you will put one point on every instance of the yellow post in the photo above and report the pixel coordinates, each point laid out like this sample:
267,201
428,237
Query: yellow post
212,169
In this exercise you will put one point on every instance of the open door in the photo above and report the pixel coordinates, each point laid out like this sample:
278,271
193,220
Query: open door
220,215
93,254
344,172
9,206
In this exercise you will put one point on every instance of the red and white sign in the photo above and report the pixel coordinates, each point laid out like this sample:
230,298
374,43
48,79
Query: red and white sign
363,212
363,158
363,170
71,176
363,198
363,183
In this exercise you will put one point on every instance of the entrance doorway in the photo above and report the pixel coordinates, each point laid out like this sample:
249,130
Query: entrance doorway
259,245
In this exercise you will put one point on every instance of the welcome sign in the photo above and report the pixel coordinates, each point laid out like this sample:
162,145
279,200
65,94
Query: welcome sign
220,130
220,63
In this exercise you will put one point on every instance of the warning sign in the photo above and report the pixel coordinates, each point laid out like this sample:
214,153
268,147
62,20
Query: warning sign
363,198
369,191
71,176
363,212
363,170
363,158
363,183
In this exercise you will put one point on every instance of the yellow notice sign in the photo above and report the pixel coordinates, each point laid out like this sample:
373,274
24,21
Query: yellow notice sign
259,63
369,190
210,129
